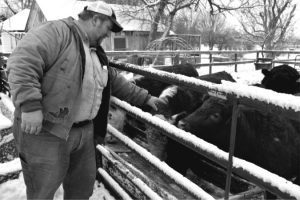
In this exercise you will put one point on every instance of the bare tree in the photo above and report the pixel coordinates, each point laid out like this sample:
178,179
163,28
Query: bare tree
212,27
269,23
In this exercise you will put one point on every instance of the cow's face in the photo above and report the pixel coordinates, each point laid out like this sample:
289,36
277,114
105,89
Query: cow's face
282,79
208,119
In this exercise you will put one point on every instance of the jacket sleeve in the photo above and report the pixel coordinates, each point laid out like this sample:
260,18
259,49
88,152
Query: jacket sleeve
26,65
128,91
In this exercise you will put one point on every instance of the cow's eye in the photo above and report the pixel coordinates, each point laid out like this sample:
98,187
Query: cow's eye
215,117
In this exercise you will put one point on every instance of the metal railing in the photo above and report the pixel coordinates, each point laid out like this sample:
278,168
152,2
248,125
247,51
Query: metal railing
234,96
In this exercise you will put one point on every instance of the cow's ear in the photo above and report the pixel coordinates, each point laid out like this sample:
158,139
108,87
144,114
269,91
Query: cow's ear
176,118
265,72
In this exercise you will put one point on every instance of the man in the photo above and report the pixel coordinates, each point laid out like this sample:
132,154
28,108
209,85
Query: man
61,83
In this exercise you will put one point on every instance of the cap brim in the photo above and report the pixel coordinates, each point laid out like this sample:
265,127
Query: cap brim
116,26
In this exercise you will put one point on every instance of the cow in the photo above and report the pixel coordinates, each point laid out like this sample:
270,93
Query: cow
118,118
267,140
178,101
155,87
282,78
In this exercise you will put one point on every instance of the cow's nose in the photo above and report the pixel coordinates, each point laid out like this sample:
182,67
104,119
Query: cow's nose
183,125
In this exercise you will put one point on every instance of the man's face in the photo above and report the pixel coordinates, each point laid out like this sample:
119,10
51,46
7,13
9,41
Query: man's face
102,29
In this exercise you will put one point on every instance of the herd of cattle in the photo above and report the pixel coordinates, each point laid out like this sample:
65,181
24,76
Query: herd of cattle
267,140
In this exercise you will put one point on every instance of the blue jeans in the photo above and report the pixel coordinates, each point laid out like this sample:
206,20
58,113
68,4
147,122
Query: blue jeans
48,161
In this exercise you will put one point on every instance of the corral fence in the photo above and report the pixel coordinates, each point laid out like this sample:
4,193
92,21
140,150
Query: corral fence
212,58
275,184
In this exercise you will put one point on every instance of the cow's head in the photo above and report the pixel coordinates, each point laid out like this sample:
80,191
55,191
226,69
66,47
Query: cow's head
209,120
282,79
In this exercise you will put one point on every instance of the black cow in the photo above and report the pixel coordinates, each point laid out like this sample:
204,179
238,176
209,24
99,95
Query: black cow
179,100
155,87
282,79
268,140
117,117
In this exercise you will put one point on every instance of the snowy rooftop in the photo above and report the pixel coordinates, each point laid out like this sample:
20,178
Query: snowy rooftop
16,22
57,9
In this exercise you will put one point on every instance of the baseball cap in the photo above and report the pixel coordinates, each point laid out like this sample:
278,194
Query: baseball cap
105,9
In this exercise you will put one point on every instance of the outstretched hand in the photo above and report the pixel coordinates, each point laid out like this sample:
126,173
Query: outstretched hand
156,104
32,122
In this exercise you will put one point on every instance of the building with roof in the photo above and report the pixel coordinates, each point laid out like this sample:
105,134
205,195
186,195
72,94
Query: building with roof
12,30
133,37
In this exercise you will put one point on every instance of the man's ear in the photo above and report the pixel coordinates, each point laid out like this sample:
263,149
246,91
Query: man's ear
94,20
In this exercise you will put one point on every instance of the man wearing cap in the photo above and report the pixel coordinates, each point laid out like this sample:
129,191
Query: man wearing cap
61,84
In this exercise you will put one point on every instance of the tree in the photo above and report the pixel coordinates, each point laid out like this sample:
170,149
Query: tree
211,27
269,23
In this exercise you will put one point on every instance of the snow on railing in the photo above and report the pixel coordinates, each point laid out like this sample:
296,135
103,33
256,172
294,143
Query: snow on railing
4,122
162,166
135,180
285,104
7,102
249,171
121,192
10,167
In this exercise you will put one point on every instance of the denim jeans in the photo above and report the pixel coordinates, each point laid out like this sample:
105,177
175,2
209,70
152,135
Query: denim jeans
48,161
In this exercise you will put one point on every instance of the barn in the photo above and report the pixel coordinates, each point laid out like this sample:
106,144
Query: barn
133,37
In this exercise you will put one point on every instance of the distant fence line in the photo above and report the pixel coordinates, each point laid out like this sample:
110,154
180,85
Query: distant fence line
164,52
197,54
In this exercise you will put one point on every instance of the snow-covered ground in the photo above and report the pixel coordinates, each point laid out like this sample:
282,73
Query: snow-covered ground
15,190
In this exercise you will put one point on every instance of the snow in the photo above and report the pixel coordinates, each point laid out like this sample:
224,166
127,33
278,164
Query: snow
10,167
4,122
239,90
138,182
211,150
114,184
286,101
16,190
7,102
16,22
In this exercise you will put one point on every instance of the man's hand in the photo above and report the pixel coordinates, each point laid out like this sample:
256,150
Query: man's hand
156,103
32,122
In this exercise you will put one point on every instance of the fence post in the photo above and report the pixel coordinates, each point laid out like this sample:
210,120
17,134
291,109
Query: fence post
199,49
235,60
210,61
235,111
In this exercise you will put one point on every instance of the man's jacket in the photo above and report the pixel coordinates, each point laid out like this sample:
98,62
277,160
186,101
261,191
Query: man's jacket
46,71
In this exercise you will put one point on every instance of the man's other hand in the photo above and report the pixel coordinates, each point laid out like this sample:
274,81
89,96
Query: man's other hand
32,122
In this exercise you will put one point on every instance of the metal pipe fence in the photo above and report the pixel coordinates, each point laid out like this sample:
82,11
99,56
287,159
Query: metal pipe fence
235,97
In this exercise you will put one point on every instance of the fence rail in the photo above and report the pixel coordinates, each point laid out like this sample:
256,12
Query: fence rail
277,105
282,187
270,105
